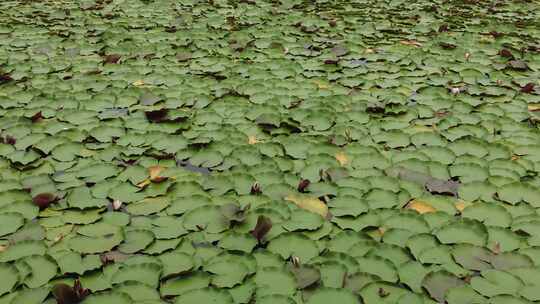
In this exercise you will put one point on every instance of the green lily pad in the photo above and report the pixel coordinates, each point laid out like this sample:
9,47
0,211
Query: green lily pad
10,276
42,269
496,282
182,284
108,298
176,263
136,240
290,244
274,281
208,218
146,273
326,294
11,222
205,295
30,295
21,250
464,231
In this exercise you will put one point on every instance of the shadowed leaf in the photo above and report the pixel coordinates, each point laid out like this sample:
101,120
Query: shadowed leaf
157,115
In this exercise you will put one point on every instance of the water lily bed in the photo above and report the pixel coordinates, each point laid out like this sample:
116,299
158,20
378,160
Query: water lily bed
257,151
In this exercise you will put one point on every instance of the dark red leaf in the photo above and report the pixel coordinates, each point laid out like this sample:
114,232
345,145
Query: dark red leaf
332,23
10,140
43,200
157,115
4,77
506,53
528,88
264,224
496,34
303,184
36,117
331,61
111,59
65,294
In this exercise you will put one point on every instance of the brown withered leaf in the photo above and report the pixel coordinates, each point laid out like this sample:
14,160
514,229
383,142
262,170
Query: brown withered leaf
518,65
111,59
263,226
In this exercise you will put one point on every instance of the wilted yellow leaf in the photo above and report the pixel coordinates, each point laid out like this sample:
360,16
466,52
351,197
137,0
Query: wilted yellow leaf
533,107
155,172
87,153
411,42
341,157
377,233
252,140
3,247
138,83
321,85
422,128
420,206
461,204
144,183
309,203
